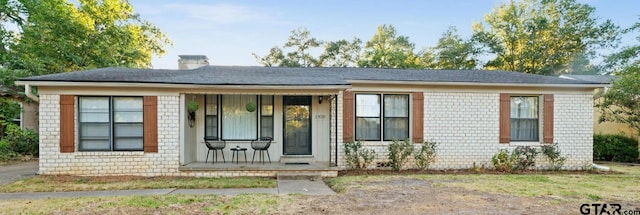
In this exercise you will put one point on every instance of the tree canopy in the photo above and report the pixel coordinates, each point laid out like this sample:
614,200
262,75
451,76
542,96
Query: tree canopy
386,49
542,36
58,36
300,42
451,52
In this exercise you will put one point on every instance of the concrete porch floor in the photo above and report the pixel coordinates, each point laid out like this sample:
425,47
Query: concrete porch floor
256,166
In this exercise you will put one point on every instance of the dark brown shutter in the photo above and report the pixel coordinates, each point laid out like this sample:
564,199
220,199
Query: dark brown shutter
547,132
505,118
67,124
150,123
348,116
418,117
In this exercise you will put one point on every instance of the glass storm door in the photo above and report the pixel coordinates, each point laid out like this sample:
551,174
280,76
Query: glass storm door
297,125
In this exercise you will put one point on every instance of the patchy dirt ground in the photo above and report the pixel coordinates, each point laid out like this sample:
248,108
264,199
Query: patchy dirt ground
412,196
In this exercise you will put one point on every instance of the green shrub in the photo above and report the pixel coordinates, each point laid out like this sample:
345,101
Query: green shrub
399,151
357,156
614,147
503,161
426,155
552,152
17,141
525,157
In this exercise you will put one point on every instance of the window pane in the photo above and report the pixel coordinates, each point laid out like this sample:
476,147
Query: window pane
367,105
94,109
211,127
94,131
212,105
128,144
127,116
396,128
237,122
524,107
94,117
524,129
396,106
128,130
267,106
95,145
127,104
266,126
367,129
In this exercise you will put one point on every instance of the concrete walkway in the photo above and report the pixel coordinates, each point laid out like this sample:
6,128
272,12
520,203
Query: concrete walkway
12,173
284,187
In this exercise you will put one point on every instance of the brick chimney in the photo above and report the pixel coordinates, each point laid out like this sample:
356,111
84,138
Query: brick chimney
192,61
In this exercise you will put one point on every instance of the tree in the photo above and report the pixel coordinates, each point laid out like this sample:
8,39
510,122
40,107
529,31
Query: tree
388,50
58,37
542,36
621,103
341,53
628,57
301,42
451,52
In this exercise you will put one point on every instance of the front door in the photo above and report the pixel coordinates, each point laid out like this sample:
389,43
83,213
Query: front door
297,125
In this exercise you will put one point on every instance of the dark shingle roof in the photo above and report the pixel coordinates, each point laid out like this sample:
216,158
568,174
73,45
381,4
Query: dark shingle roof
602,79
253,75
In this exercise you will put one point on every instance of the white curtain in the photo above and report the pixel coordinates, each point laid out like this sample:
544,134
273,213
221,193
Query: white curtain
396,117
524,118
237,122
367,117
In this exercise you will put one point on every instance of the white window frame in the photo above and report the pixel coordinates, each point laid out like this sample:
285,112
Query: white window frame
258,113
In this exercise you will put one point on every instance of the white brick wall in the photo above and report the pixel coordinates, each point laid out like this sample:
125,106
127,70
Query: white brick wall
165,162
466,127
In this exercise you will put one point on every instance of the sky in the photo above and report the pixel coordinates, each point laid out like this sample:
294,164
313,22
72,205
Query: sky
228,32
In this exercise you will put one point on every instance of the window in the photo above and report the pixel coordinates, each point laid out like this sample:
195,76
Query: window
241,117
524,118
389,117
266,116
111,123
18,119
211,117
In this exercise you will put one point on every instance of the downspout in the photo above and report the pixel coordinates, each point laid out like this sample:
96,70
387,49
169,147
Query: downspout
27,91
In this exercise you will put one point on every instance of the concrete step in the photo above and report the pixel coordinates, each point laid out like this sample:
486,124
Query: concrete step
297,159
299,176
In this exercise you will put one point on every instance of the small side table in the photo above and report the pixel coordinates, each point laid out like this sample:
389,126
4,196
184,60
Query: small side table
236,155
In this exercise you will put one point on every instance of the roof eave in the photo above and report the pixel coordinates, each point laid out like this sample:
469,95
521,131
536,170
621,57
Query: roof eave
433,83
171,85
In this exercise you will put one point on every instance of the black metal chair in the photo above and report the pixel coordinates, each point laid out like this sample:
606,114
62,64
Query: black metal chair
215,145
261,145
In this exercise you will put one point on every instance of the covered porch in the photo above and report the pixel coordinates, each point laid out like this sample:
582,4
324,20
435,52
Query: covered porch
302,126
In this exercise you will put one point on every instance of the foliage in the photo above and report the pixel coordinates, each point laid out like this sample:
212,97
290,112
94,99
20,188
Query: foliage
552,152
96,34
614,147
621,103
9,109
357,156
388,50
192,106
341,53
451,52
504,161
525,157
628,57
399,152
301,42
20,141
426,155
543,36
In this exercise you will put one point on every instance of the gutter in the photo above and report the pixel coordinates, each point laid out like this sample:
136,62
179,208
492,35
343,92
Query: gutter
182,86
595,85
29,93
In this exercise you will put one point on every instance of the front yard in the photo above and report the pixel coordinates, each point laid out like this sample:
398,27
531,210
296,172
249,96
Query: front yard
531,193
